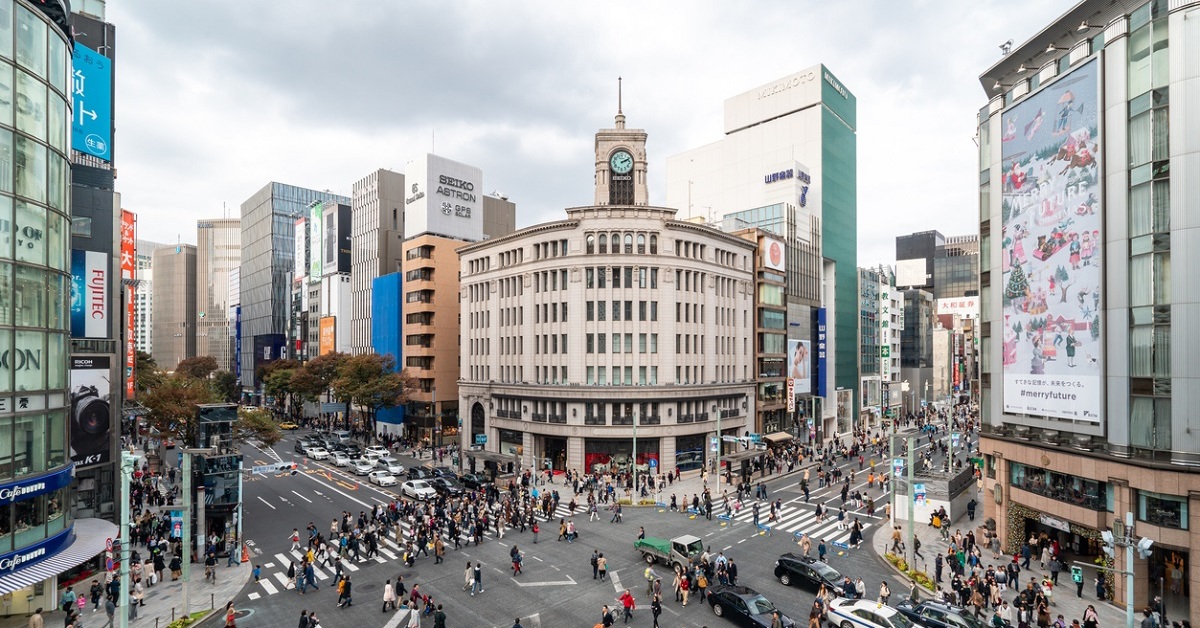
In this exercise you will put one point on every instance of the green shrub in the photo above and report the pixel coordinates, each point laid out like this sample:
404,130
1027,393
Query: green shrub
920,577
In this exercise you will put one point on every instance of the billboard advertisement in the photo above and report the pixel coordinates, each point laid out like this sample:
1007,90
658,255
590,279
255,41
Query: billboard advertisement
912,272
316,223
327,339
129,271
820,373
91,417
267,349
772,254
1051,263
800,365
301,257
91,81
89,294
336,246
444,197
965,307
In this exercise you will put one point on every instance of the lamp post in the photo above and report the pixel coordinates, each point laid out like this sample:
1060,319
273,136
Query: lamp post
632,501
128,461
186,544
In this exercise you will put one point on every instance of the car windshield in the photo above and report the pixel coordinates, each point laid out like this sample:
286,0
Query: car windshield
759,605
419,484
900,620
827,572
695,547
967,619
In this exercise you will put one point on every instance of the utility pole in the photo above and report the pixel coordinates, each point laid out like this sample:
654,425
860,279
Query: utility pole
633,500
128,461
186,541
909,445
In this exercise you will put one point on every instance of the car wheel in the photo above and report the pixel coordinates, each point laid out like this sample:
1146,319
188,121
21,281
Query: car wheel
785,579
847,624
649,558
718,611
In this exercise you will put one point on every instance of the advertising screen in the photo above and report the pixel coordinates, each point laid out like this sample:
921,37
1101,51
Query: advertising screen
800,366
129,271
316,225
1051,275
327,335
822,349
91,418
91,78
89,294
300,234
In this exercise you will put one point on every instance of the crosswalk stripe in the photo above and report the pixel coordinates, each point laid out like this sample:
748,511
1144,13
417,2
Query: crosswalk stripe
386,552
268,587
282,578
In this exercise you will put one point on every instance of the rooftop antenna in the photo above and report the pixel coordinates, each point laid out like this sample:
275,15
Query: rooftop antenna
618,95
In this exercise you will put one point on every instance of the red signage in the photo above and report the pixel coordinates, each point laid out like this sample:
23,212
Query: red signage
128,275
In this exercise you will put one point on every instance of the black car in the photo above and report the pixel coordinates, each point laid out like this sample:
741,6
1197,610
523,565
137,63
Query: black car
938,615
419,473
744,606
303,444
352,450
473,481
446,486
808,573
444,472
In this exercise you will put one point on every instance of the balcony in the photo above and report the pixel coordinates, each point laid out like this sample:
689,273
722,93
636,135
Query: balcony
651,420
540,417
558,418
687,418
701,417
730,413
509,414
622,420
594,420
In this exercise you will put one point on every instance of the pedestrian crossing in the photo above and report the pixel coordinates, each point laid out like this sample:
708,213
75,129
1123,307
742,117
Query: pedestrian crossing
798,520
388,551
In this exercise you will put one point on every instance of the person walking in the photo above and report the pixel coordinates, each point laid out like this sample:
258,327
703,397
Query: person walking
602,565
595,564
477,579
35,620
468,577
627,604
439,550
344,593
884,593
389,596
655,609
110,609
310,576
303,619
439,618
295,539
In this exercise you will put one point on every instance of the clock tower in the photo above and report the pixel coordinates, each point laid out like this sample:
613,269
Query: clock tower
621,163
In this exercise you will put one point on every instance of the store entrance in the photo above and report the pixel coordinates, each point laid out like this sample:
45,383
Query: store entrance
555,453
1048,532
1168,578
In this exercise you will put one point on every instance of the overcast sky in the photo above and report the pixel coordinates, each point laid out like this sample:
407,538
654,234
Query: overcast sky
216,98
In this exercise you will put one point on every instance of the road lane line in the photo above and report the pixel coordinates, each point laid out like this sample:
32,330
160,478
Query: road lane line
354,499
302,497
267,503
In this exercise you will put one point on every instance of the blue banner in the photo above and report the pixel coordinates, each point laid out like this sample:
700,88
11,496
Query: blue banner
91,81
27,488
822,348
37,552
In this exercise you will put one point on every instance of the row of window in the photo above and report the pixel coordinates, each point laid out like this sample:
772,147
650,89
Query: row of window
546,250
547,312
647,343
547,280
598,310
32,443
600,244
599,375
639,277
28,521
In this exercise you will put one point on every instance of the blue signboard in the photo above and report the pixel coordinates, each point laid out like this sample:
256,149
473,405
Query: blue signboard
27,556
237,341
481,439
822,348
28,488
91,93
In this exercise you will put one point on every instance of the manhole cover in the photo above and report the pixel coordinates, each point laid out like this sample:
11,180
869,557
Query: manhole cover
367,587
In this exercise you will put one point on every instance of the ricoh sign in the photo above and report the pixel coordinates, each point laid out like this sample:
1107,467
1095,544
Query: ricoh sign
444,199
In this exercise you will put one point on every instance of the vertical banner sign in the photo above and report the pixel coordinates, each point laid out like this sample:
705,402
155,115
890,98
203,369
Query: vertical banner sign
91,418
237,340
316,222
822,347
800,366
91,94
1052,279
128,275
89,294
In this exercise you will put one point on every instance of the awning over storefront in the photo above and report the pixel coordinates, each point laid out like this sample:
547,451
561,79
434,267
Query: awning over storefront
90,538
778,437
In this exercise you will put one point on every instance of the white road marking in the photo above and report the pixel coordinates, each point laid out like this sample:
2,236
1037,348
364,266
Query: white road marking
254,596
302,497
267,503
551,583
270,588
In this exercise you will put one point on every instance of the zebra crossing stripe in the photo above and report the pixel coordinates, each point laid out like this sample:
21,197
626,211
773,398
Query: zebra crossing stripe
268,587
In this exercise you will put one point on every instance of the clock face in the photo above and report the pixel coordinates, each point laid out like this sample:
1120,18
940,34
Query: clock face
621,162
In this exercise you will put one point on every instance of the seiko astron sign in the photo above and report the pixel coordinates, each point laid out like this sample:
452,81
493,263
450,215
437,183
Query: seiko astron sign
443,198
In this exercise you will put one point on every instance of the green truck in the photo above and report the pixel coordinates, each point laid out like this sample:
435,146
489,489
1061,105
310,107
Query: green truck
676,553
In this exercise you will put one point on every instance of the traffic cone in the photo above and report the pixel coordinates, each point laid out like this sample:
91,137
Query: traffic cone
245,553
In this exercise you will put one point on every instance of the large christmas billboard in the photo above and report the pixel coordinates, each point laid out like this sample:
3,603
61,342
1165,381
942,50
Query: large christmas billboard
1052,233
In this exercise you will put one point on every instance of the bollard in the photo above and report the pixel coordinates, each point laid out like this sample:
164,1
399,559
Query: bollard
212,601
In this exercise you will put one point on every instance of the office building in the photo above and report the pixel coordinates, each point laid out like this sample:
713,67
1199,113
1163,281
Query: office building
916,348
881,321
143,297
48,524
377,233
268,258
1088,152
175,319
619,325
218,252
956,268
788,158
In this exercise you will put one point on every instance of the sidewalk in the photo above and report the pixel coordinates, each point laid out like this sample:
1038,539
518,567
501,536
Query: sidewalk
164,601
1064,598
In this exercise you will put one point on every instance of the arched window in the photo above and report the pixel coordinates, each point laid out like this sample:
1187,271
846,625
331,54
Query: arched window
654,245
616,243
641,244
603,243
591,244
628,244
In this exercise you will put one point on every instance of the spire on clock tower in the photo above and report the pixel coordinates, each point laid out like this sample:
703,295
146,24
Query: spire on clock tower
621,161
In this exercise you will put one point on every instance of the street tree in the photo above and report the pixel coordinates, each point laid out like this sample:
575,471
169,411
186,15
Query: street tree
225,385
278,386
258,424
172,404
146,375
199,367
371,382
316,378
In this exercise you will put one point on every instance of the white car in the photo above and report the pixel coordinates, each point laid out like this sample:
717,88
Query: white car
847,613
363,467
318,453
391,465
382,478
341,459
378,450
418,489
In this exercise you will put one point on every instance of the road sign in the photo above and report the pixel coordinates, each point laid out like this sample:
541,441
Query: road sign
712,443
898,467
919,493
730,439
755,438
108,545
653,463
481,439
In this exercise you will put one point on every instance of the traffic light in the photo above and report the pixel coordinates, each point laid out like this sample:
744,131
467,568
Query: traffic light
1109,543
1143,548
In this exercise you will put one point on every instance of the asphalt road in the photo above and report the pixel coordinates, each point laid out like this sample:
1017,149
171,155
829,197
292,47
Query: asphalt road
556,588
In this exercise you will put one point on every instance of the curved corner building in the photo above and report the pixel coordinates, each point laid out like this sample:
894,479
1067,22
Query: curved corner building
38,536
619,324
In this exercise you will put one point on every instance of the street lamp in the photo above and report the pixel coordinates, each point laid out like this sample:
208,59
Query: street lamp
128,462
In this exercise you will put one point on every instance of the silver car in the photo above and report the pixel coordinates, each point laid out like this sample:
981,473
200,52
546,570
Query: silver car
363,466
391,465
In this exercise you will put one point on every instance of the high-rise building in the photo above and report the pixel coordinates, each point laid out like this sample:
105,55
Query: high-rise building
915,253
175,316
143,301
618,338
49,521
787,163
881,321
377,233
268,258
916,348
956,268
1088,169
218,252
